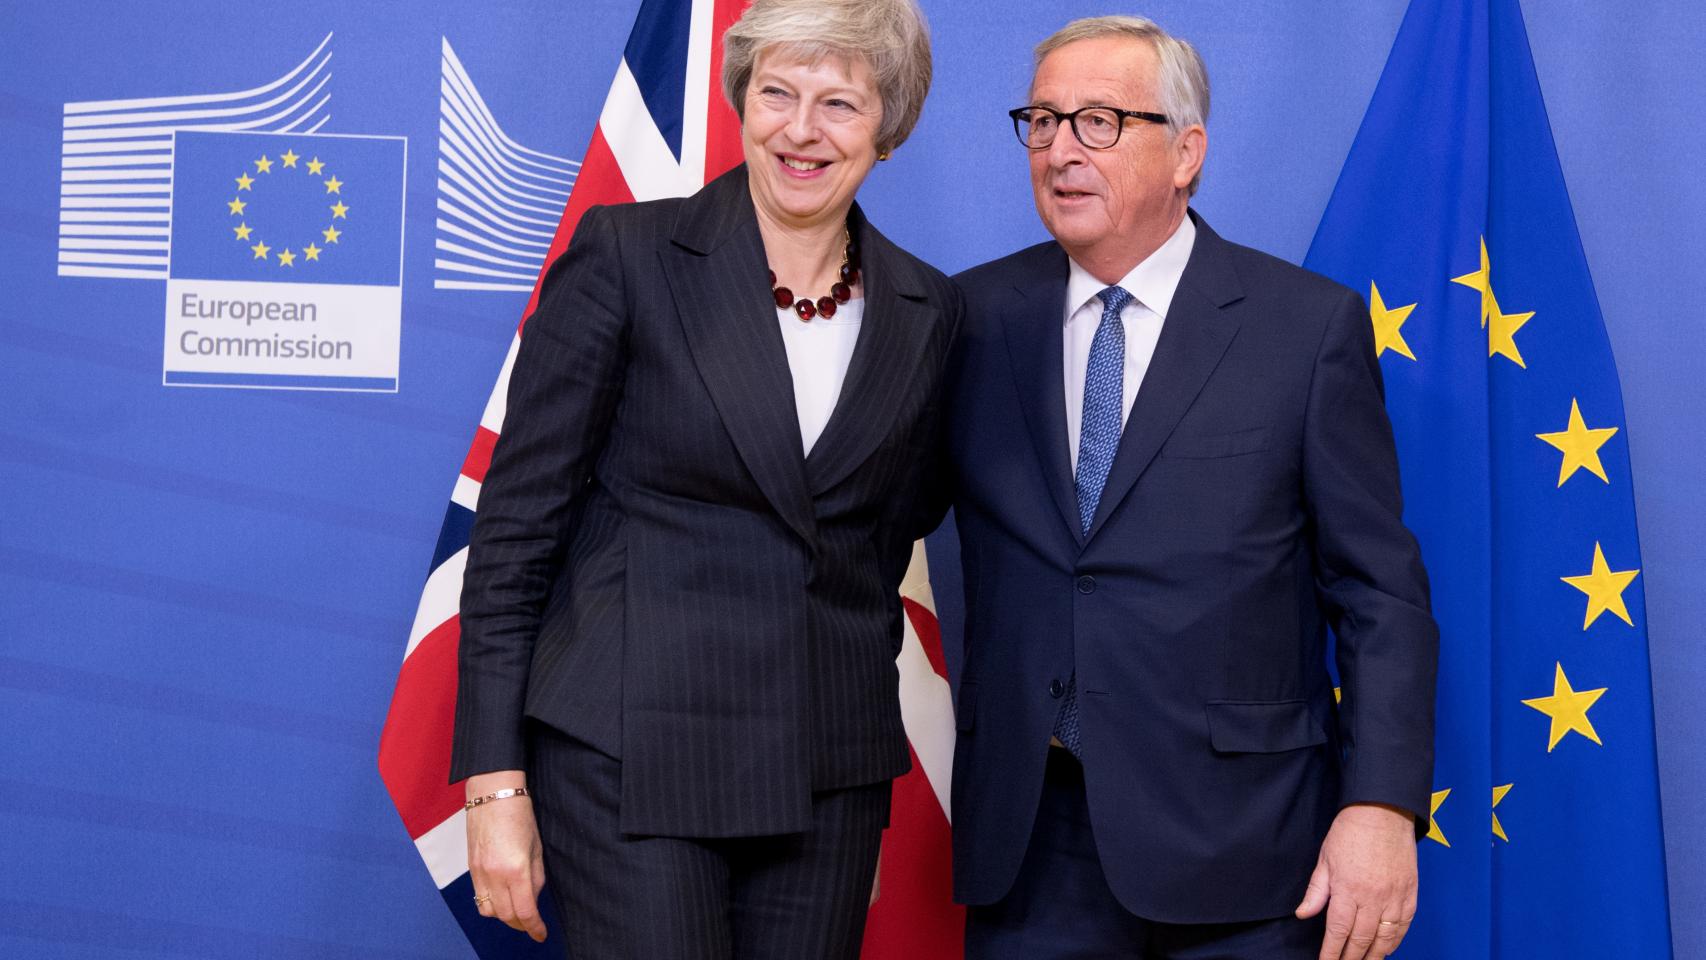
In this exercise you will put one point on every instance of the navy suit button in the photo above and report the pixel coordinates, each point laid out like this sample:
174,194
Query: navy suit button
1056,689
1086,584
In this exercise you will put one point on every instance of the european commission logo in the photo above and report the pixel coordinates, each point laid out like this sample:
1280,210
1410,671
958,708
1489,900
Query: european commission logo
286,262
281,245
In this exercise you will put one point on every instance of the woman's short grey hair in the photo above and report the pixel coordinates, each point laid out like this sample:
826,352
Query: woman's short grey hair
889,35
1183,77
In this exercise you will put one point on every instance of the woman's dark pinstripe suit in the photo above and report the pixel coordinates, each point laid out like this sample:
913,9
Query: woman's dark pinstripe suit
657,575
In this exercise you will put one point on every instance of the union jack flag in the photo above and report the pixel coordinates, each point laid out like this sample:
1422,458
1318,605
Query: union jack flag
664,131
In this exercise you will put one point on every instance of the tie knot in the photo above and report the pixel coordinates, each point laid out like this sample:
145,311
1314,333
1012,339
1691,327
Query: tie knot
1114,300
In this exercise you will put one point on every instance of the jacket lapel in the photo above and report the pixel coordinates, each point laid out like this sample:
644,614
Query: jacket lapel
1033,332
715,267
1194,337
892,343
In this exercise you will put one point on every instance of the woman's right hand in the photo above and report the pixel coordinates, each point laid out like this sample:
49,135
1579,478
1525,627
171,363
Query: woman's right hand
505,858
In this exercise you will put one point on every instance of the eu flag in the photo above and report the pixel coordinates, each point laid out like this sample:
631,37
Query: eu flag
1452,216
287,208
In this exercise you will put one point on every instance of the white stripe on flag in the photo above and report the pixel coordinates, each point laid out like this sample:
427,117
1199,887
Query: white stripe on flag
926,703
648,166
467,492
497,405
695,113
439,599
445,849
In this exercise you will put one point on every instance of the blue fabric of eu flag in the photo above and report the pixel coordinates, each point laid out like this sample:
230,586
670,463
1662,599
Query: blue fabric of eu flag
287,208
1451,215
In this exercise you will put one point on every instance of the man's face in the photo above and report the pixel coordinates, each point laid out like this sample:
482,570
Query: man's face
1117,204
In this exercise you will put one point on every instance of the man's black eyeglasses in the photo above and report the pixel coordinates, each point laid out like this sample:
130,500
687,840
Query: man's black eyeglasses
1095,127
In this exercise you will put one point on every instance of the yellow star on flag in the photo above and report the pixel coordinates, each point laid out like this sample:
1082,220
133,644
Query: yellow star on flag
236,206
1568,709
263,165
338,211
1501,331
245,181
331,234
315,165
1604,587
311,252
260,249
1434,832
287,259
289,157
242,230
1498,798
1388,324
1481,280
1580,445
332,184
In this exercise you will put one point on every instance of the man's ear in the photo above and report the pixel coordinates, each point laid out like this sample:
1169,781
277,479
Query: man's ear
1190,147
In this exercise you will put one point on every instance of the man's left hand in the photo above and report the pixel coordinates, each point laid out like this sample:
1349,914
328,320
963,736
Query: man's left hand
1366,879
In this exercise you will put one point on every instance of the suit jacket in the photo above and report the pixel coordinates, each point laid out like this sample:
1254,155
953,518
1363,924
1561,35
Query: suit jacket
656,569
1252,504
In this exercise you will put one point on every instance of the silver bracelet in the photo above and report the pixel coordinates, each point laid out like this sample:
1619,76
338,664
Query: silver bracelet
495,795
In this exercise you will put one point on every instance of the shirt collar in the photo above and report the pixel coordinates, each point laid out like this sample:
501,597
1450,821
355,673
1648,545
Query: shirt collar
1152,282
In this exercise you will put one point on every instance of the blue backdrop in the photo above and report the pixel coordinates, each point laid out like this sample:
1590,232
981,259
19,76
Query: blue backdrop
204,593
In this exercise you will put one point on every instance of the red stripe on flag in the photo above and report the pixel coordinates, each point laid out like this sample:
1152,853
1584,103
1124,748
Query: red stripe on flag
722,127
414,749
599,182
915,916
929,634
479,457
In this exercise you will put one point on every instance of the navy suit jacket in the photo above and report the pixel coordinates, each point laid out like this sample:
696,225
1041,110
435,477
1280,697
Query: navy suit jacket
1252,505
656,569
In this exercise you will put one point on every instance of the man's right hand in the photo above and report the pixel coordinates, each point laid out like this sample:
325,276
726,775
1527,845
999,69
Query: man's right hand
505,858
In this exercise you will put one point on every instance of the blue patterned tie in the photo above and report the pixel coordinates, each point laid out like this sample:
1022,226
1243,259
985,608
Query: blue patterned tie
1098,440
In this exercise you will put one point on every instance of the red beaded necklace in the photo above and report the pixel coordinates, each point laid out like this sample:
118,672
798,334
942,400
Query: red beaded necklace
839,293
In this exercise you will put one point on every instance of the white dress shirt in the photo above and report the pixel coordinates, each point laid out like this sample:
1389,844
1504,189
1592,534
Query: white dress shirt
818,354
1151,284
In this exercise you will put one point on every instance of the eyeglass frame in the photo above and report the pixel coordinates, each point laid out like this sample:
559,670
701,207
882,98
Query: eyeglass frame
1071,120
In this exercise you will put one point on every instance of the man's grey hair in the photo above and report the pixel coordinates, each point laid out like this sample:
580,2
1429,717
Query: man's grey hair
889,35
1183,78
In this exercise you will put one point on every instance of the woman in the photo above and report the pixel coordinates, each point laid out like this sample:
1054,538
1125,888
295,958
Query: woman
680,610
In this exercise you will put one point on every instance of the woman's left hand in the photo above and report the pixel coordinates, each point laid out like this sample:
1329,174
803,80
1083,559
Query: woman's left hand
505,858
877,879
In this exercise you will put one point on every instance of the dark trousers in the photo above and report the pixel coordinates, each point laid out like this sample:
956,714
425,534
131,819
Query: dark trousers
1060,907
629,897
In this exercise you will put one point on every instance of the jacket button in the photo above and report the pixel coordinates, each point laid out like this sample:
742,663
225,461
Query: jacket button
1056,689
1086,584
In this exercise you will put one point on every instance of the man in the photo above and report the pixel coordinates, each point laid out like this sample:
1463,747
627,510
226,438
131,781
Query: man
1174,473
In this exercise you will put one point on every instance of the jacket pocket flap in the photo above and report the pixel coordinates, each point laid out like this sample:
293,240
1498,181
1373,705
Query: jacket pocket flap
1220,445
1262,726
965,707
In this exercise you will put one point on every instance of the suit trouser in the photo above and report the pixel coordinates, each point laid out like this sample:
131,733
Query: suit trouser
629,897
1061,908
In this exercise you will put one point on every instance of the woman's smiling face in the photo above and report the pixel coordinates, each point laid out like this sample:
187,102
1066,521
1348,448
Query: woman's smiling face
809,134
